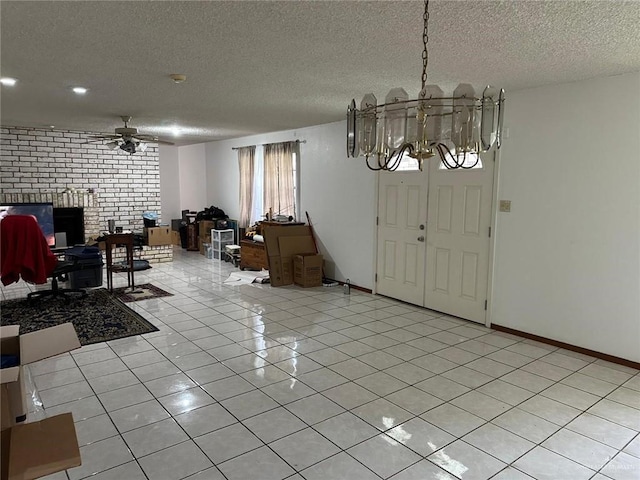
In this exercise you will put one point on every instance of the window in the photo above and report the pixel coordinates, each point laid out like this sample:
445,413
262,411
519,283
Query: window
273,183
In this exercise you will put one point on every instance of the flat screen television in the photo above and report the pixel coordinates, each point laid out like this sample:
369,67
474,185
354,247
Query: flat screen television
42,211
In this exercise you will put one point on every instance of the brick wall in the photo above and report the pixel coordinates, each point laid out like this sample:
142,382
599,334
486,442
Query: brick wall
154,254
49,161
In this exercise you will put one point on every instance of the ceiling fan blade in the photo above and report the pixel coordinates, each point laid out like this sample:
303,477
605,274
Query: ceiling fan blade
150,139
106,137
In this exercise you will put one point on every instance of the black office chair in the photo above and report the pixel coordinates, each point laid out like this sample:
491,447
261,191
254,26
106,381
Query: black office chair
25,254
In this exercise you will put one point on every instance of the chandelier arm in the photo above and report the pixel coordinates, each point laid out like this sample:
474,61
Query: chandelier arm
446,155
394,160
442,152
398,154
469,167
369,166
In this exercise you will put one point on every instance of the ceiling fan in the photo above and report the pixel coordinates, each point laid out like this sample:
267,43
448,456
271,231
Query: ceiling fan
127,138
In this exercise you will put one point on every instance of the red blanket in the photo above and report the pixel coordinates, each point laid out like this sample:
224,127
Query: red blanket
24,251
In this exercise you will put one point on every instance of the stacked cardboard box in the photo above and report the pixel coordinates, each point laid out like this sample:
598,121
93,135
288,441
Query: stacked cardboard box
282,244
33,450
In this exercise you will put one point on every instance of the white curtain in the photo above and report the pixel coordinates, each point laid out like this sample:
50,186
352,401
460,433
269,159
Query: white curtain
246,157
257,210
278,192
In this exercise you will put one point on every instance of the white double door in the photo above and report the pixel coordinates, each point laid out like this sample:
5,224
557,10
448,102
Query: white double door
433,238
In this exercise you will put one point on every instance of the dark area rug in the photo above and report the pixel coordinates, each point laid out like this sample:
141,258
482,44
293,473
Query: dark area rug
141,292
98,317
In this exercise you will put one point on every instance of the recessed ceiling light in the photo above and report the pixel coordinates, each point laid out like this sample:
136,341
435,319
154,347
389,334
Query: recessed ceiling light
79,90
8,81
176,131
178,77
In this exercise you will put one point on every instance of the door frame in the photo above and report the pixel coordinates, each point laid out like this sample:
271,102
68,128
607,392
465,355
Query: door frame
492,239
376,199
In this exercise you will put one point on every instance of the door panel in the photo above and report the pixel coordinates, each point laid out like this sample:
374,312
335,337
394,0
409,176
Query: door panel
472,202
441,270
469,277
443,208
458,240
402,209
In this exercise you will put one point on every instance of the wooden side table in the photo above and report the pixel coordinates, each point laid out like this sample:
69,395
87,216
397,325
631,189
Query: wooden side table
253,255
116,239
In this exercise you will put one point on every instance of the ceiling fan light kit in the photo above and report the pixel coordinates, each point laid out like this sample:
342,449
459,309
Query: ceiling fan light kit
457,127
127,139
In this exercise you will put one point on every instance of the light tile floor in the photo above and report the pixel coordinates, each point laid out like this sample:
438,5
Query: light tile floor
255,382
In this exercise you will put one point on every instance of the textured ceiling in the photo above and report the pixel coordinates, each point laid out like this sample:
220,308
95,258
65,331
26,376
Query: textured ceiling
262,66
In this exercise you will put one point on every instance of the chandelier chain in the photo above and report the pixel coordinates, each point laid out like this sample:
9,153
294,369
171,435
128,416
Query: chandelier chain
425,40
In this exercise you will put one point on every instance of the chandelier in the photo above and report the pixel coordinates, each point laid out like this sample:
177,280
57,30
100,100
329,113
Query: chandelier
457,128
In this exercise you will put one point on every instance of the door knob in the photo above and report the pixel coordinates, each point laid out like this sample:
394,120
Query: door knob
421,238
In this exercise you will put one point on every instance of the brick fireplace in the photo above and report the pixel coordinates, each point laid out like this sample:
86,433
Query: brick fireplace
41,165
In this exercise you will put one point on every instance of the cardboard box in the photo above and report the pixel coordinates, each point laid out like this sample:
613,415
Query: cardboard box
291,246
307,270
35,449
272,236
281,244
275,271
205,226
154,236
175,238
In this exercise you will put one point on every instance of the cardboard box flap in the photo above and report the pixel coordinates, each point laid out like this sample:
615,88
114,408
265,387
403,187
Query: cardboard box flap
272,234
296,245
46,343
9,331
42,448
9,374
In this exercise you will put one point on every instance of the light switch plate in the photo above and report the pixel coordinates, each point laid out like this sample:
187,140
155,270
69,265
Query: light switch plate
505,205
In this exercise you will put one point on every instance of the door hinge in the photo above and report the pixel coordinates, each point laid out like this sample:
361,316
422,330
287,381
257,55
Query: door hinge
485,304
377,218
376,277
489,232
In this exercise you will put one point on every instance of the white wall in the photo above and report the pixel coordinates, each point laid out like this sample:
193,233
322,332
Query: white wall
169,183
193,179
567,260
338,193
567,263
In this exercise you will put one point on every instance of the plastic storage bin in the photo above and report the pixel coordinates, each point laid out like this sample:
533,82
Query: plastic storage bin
219,240
91,273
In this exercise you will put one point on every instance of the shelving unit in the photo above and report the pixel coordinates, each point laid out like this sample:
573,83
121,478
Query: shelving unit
219,240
